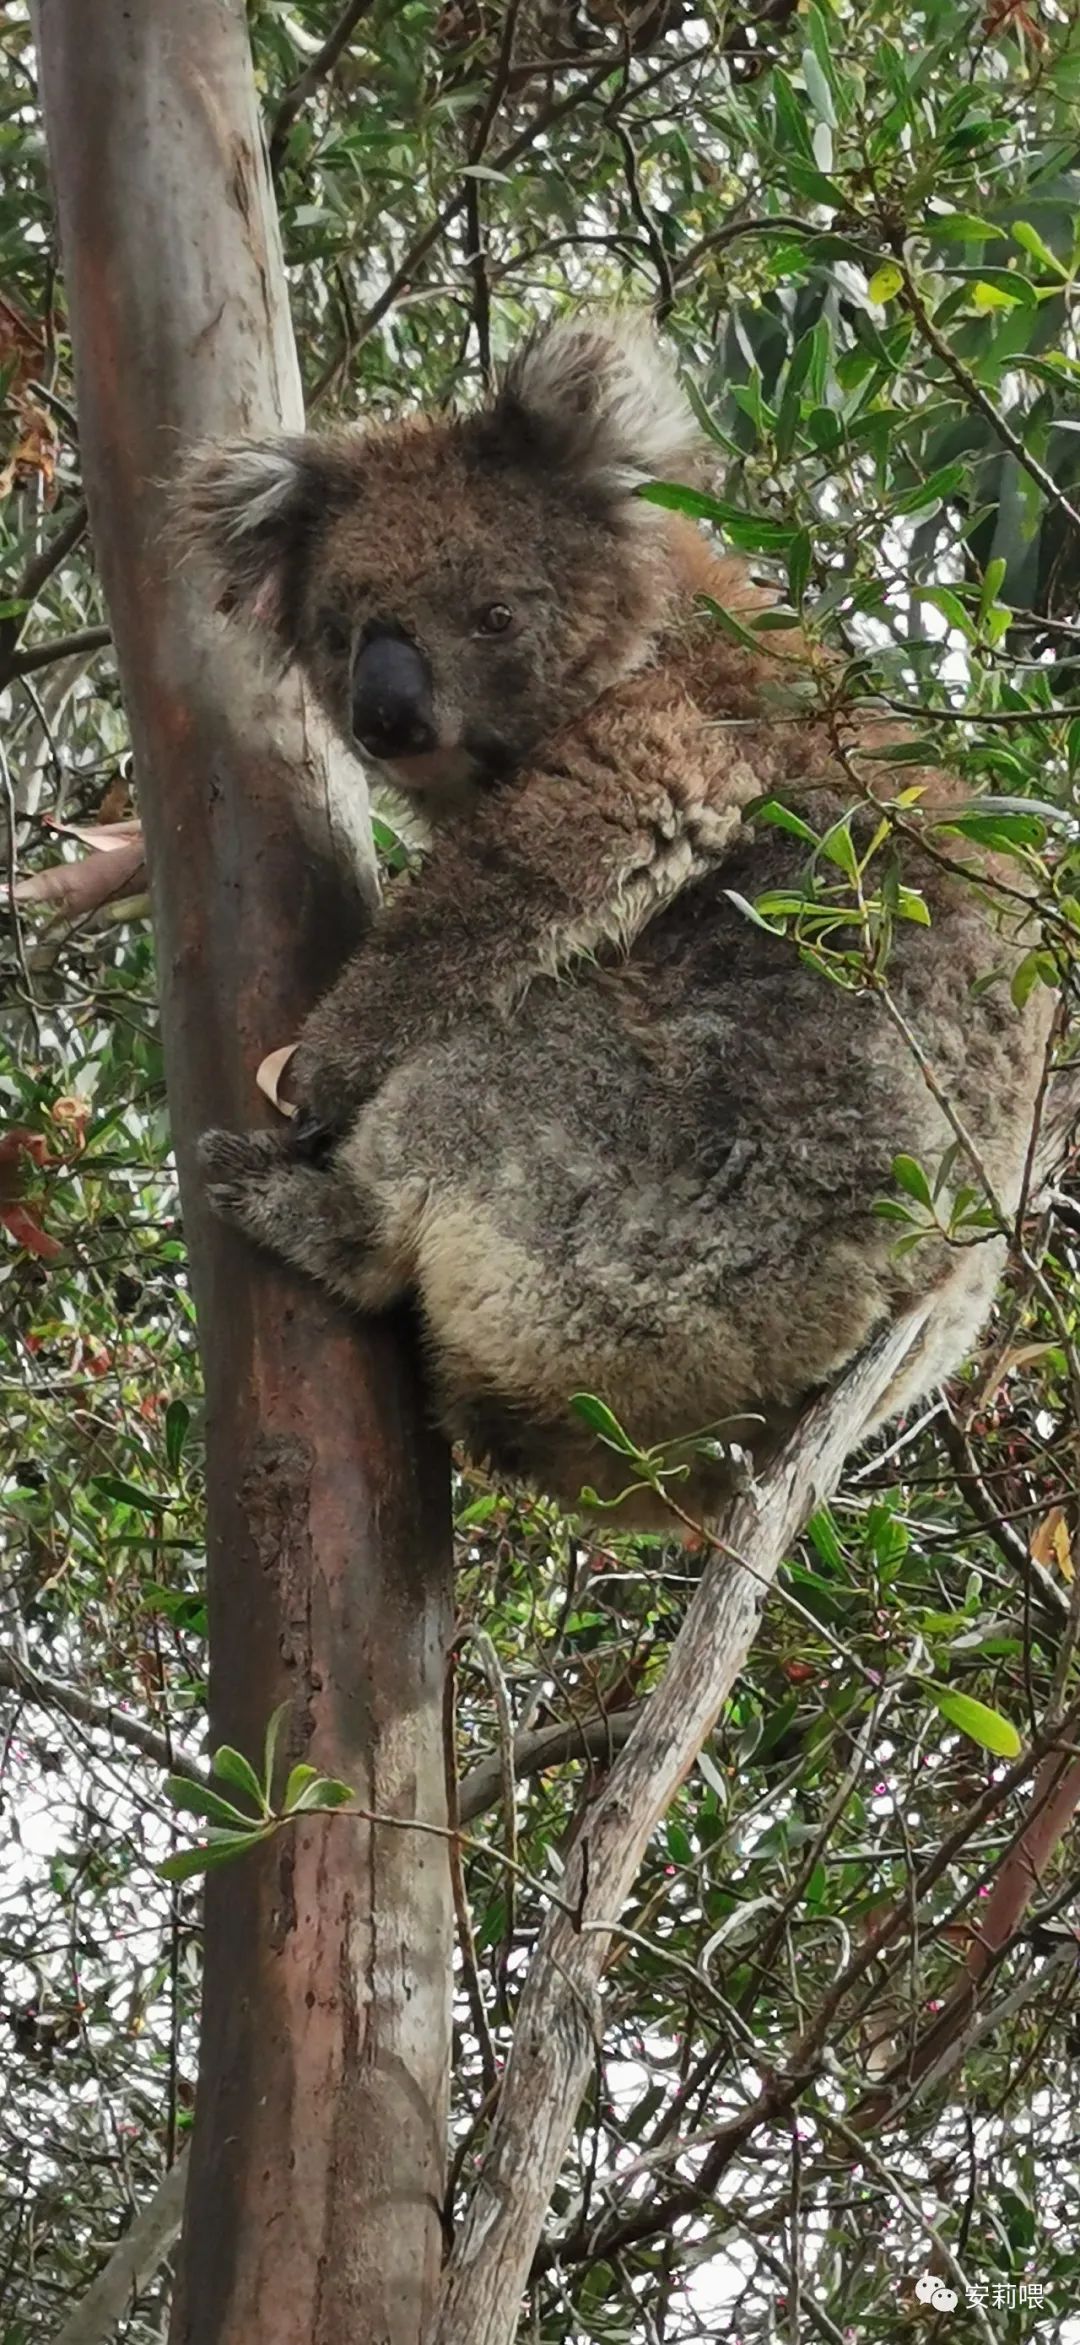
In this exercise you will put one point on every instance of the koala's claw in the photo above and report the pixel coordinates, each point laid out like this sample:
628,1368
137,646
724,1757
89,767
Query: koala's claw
236,1166
291,1204
311,1137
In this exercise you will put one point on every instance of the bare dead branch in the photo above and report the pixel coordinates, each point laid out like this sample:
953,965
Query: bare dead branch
83,886
103,1717
558,2016
29,658
135,2261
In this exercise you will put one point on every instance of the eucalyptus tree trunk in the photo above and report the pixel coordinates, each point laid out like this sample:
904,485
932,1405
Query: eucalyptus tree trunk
317,2168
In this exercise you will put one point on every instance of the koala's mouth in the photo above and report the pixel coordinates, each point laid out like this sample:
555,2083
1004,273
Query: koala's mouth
480,761
436,770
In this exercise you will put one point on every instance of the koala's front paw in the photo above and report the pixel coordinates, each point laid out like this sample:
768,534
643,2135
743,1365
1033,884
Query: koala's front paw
329,1082
237,1167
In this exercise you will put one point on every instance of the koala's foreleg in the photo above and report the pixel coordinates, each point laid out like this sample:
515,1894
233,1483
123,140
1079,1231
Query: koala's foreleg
308,1214
550,870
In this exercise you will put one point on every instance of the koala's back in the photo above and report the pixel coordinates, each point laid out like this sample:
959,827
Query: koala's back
656,1180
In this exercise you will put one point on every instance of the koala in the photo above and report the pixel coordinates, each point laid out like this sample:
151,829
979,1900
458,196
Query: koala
607,1132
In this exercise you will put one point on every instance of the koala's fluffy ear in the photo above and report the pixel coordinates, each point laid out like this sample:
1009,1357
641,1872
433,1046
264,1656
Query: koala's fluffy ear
252,509
598,400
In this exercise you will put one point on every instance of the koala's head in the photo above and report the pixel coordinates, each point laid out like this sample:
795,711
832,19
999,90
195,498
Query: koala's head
457,588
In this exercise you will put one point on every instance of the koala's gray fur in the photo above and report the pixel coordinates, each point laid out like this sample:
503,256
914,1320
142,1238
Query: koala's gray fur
609,1134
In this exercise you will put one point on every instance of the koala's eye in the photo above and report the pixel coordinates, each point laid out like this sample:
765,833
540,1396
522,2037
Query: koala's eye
336,634
495,619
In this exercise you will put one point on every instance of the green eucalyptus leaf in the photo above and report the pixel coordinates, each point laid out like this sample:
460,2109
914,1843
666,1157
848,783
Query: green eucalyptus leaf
177,1422
273,1731
600,1420
982,1725
200,1799
909,1176
325,1791
186,1863
299,1778
232,1766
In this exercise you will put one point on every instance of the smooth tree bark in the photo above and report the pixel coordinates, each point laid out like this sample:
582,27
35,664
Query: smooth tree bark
317,2166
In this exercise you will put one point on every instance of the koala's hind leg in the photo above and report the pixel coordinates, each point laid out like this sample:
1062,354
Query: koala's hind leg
310,1214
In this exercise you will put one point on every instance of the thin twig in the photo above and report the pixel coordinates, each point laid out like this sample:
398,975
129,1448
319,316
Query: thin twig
718,238
974,393
784,2086
32,656
861,2150
816,2316
1006,1538
474,220
489,2068
489,1662
951,1113
307,82
41,566
499,83
448,212
103,1717
919,711
665,302
38,571
12,833
476,262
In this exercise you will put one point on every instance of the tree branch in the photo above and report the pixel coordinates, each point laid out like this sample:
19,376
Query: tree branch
547,1746
406,270
306,83
37,574
977,397
102,1717
1054,1801
558,2017
30,657
135,2261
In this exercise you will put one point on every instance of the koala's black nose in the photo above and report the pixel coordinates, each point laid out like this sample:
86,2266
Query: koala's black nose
392,710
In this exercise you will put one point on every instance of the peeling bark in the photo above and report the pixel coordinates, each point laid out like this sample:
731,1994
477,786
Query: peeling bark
317,2165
